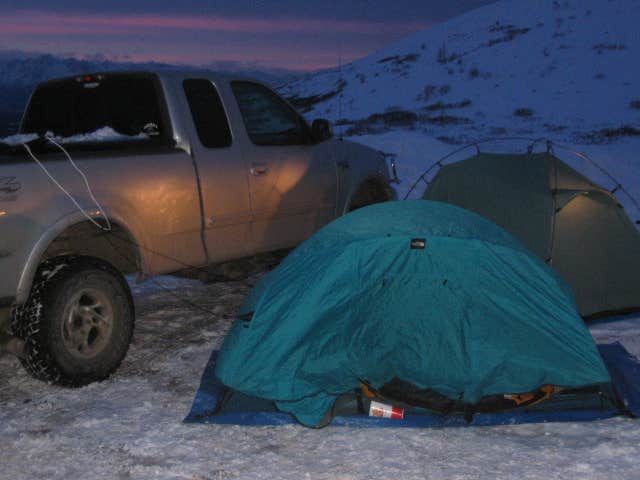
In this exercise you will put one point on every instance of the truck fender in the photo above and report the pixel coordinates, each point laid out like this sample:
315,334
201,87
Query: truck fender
35,257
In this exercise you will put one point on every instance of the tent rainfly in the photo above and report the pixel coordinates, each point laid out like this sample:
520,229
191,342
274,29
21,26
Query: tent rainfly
575,225
426,293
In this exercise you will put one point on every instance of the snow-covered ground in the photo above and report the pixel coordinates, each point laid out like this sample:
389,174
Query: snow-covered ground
130,425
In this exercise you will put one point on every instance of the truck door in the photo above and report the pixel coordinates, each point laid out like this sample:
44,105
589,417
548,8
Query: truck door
222,173
292,182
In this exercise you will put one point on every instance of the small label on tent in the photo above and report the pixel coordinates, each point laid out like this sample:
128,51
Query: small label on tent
418,243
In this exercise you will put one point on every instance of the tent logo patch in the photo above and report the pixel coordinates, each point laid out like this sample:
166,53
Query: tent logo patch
418,243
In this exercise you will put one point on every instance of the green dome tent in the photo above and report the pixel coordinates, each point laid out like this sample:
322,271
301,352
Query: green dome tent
576,226
423,292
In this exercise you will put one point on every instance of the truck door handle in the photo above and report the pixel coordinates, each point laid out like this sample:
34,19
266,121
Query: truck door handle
343,164
259,169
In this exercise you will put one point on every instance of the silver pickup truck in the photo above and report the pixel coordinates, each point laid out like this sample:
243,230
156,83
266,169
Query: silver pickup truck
194,169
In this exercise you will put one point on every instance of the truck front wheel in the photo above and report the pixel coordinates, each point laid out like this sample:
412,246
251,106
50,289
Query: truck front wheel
77,323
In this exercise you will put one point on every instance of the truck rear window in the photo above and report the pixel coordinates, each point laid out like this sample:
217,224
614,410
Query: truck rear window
127,104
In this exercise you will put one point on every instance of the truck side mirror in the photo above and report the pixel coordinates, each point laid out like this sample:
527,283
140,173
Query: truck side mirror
321,130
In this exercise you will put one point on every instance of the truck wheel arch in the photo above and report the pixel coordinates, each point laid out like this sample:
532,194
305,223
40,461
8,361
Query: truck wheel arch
79,237
373,189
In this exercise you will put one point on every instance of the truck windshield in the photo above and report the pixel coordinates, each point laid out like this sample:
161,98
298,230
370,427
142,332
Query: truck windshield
128,105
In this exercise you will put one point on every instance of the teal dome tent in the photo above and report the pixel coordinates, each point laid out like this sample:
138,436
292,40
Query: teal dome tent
418,291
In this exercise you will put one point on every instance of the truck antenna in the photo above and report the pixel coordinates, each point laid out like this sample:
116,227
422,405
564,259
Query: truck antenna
340,92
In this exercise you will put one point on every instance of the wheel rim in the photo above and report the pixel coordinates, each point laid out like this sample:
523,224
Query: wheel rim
87,323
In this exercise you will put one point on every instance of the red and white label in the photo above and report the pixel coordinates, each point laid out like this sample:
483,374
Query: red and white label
382,410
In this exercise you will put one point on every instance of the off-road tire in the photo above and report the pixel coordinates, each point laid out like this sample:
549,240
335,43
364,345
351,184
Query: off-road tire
39,322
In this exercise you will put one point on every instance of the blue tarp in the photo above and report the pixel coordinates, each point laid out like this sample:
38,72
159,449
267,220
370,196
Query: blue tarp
623,367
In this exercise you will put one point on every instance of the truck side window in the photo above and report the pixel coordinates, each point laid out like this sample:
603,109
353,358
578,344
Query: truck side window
267,118
208,113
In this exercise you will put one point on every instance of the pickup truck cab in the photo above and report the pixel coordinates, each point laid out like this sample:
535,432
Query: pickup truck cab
184,169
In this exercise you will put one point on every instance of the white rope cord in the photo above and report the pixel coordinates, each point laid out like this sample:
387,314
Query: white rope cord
71,197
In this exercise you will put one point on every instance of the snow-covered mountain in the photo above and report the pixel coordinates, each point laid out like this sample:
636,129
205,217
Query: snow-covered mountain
567,69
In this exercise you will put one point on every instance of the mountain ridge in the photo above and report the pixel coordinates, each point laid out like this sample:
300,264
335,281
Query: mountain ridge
564,69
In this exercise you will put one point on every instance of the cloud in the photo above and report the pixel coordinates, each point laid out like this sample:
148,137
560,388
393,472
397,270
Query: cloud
301,43
27,22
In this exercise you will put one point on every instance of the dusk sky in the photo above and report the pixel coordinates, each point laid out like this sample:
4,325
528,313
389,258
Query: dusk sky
288,34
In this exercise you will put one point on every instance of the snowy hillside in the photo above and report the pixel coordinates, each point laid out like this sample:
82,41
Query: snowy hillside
566,69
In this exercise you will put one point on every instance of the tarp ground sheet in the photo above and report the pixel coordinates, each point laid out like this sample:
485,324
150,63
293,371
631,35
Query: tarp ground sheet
216,404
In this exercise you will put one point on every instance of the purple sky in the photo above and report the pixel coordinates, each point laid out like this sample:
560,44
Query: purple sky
296,35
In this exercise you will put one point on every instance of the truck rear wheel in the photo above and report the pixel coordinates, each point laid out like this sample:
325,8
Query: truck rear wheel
78,322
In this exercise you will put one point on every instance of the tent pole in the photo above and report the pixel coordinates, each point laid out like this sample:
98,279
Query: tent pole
534,141
554,192
462,149
619,185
